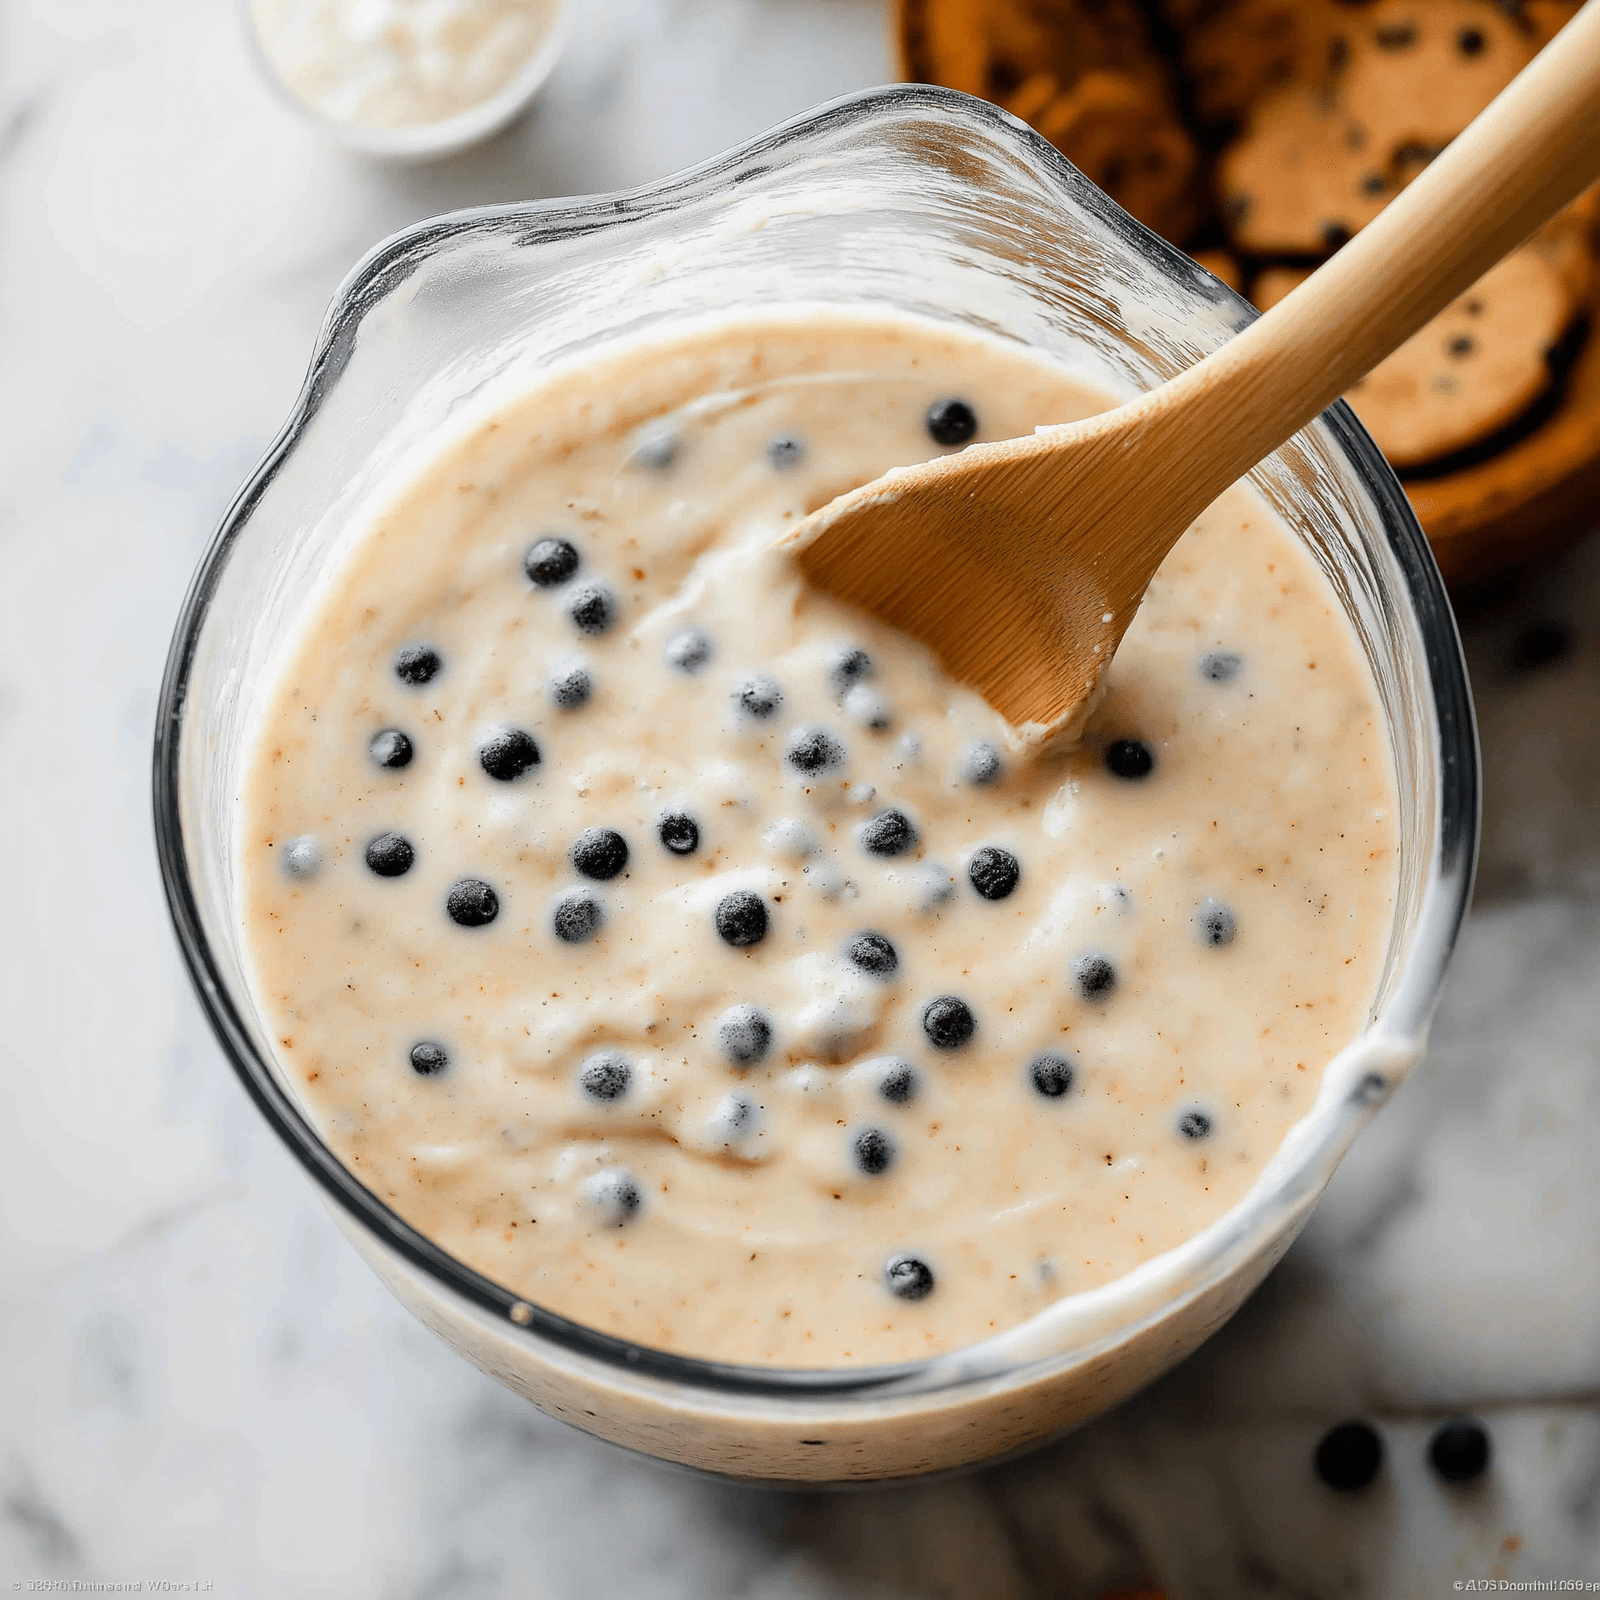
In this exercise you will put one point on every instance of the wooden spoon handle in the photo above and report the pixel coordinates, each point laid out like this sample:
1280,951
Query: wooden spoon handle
1534,149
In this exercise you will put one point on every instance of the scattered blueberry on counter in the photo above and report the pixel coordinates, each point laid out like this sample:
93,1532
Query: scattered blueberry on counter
1348,1457
390,748
1459,1451
550,562
390,855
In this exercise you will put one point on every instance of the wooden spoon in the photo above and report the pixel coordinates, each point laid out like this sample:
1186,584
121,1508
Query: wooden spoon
1022,563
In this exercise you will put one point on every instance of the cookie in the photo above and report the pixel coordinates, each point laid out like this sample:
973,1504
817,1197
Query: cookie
1477,367
992,49
1253,46
1302,178
1421,70
1273,283
1119,132
1222,264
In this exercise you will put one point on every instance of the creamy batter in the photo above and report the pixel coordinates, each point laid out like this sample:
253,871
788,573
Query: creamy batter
399,63
687,953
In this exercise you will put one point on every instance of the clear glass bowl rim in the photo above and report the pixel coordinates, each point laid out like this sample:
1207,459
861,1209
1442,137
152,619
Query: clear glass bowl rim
379,271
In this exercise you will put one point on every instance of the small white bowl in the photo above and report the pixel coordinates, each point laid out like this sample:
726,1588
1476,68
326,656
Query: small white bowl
423,141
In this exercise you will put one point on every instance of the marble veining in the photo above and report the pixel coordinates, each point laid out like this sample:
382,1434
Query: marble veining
201,1382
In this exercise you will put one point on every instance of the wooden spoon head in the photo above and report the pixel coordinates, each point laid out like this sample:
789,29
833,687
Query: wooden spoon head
1010,561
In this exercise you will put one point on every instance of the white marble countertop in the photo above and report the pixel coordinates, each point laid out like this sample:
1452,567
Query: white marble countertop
201,1383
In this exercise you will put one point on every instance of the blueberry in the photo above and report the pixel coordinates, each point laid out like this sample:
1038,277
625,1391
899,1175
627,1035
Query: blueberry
869,708
1095,977
873,954
427,1059
679,832
1220,666
785,451
1050,1074
981,764
1215,924
592,607
1127,758
390,855
898,1085
742,918
1460,1450
606,1075
734,1118
889,833
302,856
614,1195
812,749
390,748
1349,1456
570,685
948,1022
1470,41
993,872
745,1034
508,753
1194,1125
951,421
599,853
657,448
758,695
576,916
908,1277
690,650
550,562
472,903
417,664
873,1150
848,666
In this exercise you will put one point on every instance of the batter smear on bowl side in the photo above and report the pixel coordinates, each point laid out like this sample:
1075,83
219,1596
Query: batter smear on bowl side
687,953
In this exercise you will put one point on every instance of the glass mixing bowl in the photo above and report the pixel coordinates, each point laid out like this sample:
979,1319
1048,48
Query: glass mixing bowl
921,200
